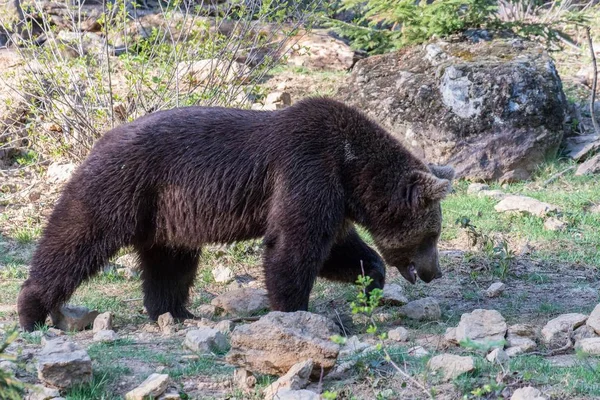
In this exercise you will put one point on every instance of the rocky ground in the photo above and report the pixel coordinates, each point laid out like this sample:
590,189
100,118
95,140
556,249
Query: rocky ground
515,316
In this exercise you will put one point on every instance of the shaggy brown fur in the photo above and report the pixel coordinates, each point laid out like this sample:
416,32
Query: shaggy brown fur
172,181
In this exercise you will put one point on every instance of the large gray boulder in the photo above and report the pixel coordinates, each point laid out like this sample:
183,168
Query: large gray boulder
492,110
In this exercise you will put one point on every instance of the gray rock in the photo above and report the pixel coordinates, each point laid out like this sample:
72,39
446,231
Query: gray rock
426,309
450,366
556,332
105,336
244,302
497,356
589,346
40,392
417,351
495,114
481,326
288,394
527,393
166,323
103,322
152,387
318,49
73,318
591,166
223,274
244,379
399,334
353,346
225,326
518,344
62,364
594,320
296,378
205,340
495,289
60,173
584,332
525,205
581,146
393,295
477,188
278,340
554,224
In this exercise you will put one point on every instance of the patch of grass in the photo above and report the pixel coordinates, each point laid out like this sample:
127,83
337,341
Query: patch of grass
203,366
572,194
97,388
27,234
13,271
582,378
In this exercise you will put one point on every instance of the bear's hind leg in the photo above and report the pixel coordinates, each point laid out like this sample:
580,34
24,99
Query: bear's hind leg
352,257
167,275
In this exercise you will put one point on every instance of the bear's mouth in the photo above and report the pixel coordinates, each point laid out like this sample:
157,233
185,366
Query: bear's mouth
410,273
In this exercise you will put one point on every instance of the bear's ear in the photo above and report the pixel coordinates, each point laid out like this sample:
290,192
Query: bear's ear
442,171
423,188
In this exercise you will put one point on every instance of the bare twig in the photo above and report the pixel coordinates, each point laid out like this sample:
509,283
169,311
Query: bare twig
407,375
594,80
557,175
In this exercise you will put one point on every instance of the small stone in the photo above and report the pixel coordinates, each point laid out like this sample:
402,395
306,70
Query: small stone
295,379
288,394
73,318
525,205
477,187
426,309
594,320
495,289
555,224
524,330
393,295
589,346
399,334
282,98
417,351
556,332
170,396
482,327
584,332
60,173
591,166
166,323
243,302
244,379
527,393
62,364
40,392
206,311
103,322
497,356
450,366
494,194
352,346
152,387
225,326
205,340
450,336
519,344
105,336
223,274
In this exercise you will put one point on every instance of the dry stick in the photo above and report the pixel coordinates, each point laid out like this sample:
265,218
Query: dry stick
594,81
110,88
557,175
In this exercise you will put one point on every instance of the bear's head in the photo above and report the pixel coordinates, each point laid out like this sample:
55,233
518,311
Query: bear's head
408,237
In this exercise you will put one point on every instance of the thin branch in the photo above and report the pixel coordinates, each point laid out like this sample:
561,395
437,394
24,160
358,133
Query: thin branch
594,81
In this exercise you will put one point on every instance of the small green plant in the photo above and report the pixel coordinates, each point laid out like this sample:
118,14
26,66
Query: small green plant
10,388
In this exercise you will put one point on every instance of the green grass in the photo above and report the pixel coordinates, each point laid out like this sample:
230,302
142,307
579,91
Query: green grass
572,194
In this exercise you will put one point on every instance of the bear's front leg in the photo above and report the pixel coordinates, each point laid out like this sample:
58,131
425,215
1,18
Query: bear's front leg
291,267
352,257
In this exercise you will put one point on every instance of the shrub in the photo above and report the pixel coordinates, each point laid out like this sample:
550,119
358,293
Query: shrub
79,84
10,388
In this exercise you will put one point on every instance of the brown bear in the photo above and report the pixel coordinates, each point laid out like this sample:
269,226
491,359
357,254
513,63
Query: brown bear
300,177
